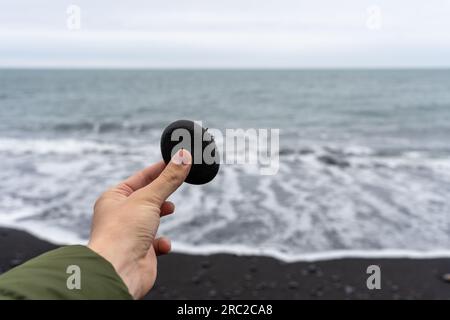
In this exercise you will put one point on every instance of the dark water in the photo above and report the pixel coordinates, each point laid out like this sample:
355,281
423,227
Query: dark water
364,158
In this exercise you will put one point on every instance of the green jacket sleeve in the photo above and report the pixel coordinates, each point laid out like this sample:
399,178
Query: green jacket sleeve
72,272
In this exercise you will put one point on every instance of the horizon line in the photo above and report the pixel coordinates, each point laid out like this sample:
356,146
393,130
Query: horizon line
200,68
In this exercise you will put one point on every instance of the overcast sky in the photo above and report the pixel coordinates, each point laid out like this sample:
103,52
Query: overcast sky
225,33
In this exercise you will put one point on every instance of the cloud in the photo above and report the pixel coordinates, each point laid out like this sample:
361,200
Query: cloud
188,33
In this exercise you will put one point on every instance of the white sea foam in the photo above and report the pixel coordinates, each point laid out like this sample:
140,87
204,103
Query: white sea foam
52,146
326,202
61,236
314,256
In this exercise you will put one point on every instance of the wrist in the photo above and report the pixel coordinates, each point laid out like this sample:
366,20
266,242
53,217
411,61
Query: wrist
126,269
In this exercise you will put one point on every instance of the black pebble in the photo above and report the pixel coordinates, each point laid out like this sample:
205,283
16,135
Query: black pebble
212,293
201,172
293,285
349,290
196,279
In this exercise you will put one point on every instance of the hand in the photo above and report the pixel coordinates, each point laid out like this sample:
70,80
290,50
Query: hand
126,220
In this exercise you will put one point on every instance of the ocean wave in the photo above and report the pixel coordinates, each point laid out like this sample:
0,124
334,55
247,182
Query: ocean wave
242,250
365,157
349,183
55,146
103,127
61,236
313,207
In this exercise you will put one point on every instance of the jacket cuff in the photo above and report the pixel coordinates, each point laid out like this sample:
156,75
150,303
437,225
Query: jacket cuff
71,272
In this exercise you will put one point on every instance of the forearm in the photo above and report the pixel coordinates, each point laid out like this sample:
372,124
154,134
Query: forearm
49,277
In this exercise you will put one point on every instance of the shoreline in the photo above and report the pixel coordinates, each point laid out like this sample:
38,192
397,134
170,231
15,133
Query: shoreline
230,276
235,250
313,257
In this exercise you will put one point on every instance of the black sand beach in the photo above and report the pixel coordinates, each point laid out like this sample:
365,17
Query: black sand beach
225,276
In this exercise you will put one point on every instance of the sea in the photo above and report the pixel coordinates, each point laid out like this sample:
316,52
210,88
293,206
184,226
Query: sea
364,157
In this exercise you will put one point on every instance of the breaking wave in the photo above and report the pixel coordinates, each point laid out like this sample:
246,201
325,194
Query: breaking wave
326,200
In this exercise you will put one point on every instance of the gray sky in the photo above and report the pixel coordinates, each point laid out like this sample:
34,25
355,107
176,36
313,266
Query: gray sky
226,33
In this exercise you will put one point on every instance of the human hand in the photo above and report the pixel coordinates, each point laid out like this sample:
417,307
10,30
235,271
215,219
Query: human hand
126,220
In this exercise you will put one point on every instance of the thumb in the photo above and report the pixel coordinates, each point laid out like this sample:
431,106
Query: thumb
169,180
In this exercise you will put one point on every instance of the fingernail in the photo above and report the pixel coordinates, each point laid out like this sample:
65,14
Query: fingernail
181,157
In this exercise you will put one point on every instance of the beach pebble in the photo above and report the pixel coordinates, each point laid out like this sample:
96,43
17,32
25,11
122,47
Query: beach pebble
292,285
312,269
335,278
227,295
255,294
203,170
237,292
317,293
205,264
394,288
208,283
349,290
363,296
248,277
212,293
196,279
261,286
253,269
